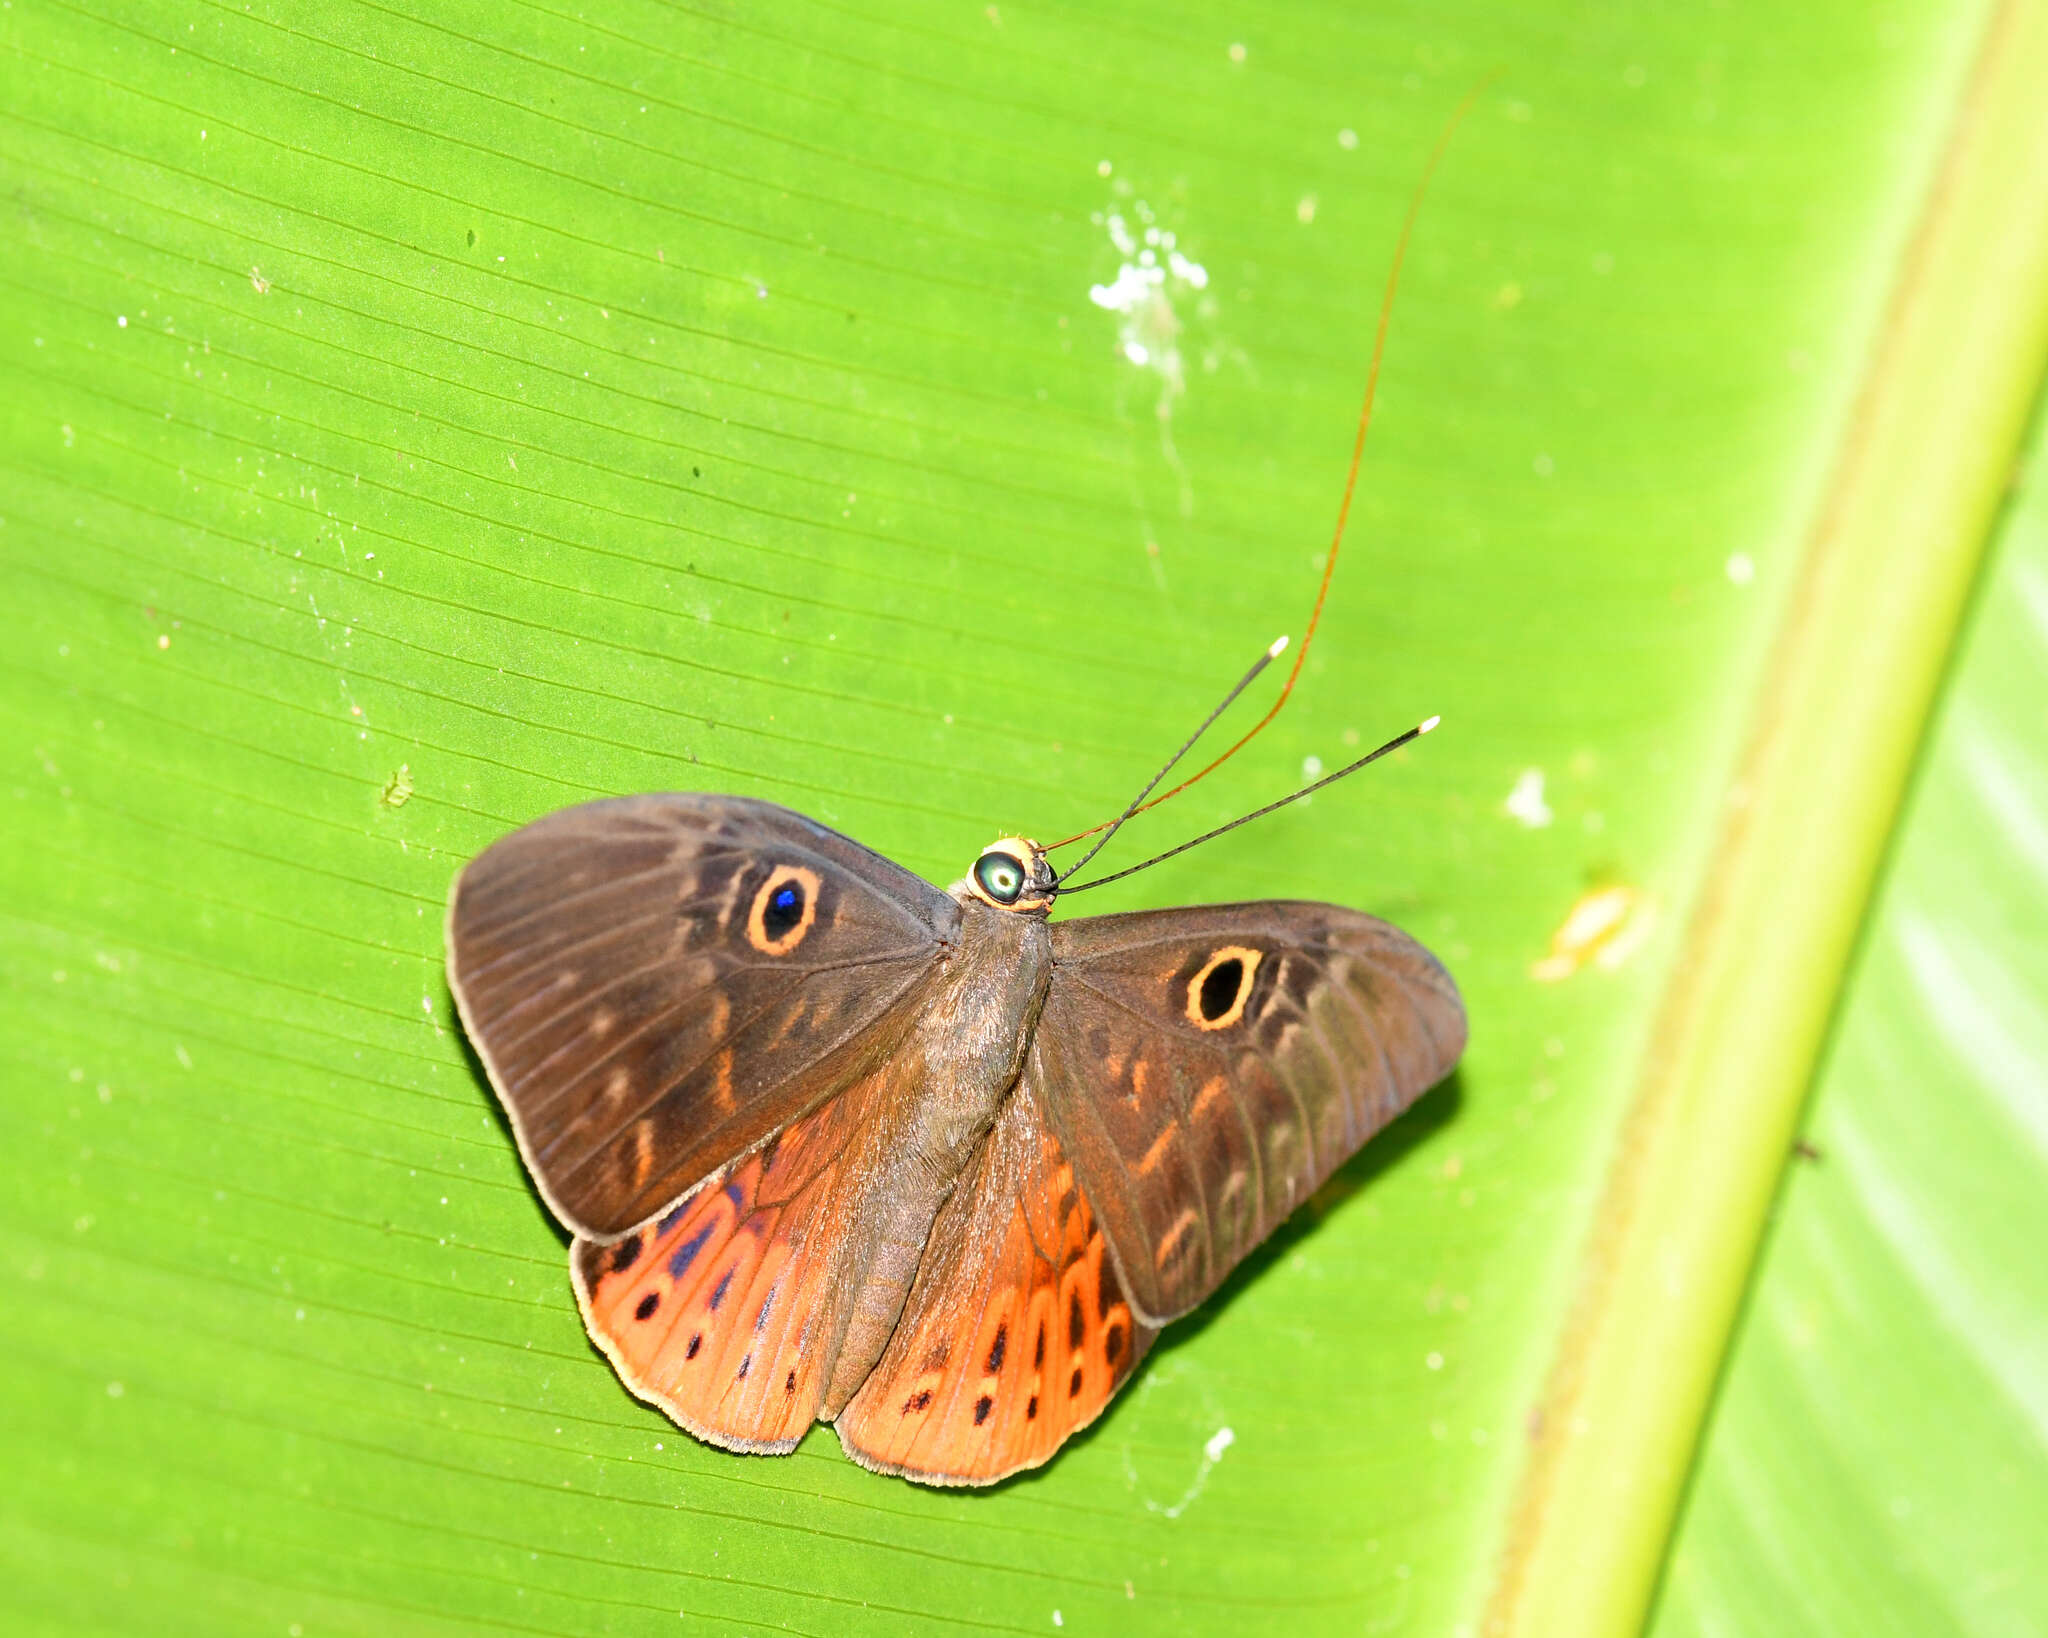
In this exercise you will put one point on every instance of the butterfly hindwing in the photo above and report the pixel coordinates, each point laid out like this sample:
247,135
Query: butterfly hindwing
728,1311
1206,1068
1016,1332
657,983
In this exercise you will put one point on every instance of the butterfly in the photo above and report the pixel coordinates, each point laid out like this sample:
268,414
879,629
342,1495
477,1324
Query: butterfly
836,1144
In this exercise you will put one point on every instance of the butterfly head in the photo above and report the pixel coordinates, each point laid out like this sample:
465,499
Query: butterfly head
1013,874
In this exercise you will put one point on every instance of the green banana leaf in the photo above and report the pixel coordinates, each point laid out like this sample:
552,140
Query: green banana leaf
1877,1460
919,415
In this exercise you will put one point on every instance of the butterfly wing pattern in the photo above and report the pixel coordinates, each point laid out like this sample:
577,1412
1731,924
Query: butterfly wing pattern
728,1312
1206,1068
835,1144
649,982
1017,1332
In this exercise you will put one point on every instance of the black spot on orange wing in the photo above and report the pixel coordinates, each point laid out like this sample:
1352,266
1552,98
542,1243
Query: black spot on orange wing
696,1342
982,1407
647,1305
789,1383
1113,1343
1038,1353
1077,1322
996,1349
1074,1387
625,1253
746,1365
1031,1409
718,1291
921,1400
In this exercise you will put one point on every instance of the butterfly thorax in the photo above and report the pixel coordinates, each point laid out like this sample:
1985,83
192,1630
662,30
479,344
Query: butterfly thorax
933,1104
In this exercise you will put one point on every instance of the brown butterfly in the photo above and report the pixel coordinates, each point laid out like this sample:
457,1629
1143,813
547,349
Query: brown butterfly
834,1143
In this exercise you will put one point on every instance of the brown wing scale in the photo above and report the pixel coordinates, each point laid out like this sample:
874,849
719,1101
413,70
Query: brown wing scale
1206,1068
650,983
1017,1331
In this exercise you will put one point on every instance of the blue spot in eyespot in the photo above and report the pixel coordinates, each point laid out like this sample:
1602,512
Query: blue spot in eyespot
785,899
686,1253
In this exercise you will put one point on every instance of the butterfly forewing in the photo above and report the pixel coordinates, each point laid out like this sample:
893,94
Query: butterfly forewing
1206,1068
656,984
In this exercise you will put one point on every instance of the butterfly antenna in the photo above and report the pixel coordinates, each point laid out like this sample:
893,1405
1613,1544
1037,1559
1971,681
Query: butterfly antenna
1372,383
1348,769
1110,828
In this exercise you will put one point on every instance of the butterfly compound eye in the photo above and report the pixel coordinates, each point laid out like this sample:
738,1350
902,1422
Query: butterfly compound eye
1001,877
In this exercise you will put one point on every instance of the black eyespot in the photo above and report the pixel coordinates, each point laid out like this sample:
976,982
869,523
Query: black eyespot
1219,988
1001,877
784,909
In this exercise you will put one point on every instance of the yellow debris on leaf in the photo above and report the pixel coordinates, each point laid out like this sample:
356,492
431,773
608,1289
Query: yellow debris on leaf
1605,927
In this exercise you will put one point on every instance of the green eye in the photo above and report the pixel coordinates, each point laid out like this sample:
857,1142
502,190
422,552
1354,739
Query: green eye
1001,877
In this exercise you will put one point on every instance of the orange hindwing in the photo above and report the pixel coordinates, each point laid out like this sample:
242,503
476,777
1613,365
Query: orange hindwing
1016,1332
727,1312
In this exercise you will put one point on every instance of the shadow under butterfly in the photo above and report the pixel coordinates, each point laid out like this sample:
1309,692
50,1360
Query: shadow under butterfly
834,1143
